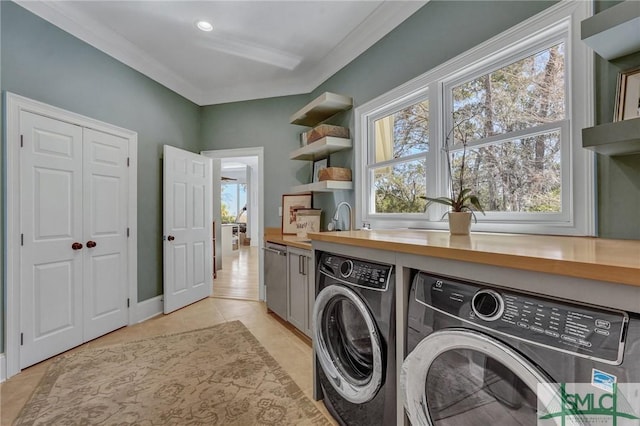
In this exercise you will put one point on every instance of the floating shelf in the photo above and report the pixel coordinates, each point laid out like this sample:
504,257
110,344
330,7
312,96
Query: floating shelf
320,149
321,108
614,32
618,138
323,186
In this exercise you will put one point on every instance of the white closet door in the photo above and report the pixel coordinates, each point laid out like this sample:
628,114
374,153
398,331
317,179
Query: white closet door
188,257
51,222
105,186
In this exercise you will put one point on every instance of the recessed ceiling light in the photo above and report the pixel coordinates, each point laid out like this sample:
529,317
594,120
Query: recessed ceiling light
204,26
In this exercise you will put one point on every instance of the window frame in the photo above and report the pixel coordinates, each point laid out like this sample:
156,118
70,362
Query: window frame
578,190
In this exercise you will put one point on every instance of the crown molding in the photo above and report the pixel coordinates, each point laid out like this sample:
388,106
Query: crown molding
304,79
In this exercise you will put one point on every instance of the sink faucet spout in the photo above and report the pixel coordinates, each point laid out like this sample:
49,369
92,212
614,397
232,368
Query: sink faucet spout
348,206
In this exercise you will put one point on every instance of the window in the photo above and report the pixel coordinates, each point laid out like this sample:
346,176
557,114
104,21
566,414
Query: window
398,166
514,108
234,198
510,125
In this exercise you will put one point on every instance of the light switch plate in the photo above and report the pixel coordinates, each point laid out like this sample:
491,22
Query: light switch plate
280,211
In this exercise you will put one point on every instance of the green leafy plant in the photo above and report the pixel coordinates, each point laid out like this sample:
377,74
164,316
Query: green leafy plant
461,199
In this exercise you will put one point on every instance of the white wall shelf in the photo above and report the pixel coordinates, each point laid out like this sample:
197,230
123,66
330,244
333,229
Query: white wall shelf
615,31
323,186
320,149
617,138
321,108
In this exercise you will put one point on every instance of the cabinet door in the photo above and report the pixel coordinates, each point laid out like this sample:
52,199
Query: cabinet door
298,288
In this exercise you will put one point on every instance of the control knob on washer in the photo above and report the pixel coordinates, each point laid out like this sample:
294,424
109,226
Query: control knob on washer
346,268
487,305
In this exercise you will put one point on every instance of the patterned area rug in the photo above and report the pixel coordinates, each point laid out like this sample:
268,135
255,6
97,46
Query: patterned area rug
215,376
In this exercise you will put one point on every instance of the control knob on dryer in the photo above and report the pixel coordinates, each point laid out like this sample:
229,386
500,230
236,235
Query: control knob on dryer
346,268
487,305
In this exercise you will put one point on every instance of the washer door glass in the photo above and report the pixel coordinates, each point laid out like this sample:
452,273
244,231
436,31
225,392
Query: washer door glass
462,377
347,344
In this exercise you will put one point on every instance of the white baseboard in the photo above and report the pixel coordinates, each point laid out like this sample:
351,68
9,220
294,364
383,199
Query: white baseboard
3,368
149,308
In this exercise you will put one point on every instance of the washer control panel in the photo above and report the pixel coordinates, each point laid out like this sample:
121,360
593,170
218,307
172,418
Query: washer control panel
591,331
355,271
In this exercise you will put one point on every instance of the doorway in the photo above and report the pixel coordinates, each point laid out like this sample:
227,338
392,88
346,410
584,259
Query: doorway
239,217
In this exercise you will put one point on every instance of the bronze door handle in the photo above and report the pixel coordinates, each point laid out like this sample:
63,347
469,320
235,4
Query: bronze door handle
76,246
171,238
91,244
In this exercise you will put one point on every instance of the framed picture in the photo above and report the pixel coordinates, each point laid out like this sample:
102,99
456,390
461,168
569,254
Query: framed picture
317,166
291,203
628,95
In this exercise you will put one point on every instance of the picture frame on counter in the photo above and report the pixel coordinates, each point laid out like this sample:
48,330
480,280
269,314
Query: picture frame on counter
317,166
291,203
628,95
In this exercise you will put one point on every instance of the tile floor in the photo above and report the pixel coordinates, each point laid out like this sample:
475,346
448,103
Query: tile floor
291,351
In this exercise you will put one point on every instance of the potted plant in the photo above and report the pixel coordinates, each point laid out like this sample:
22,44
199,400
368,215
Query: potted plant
463,203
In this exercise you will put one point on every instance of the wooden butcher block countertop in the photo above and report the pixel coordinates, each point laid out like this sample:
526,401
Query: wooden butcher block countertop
616,261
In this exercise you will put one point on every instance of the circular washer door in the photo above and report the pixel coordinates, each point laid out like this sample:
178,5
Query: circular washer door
459,376
347,344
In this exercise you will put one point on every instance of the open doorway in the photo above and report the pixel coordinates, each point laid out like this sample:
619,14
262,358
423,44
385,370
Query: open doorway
239,223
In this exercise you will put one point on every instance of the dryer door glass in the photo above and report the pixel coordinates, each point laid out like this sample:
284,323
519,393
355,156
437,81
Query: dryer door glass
467,387
347,344
464,377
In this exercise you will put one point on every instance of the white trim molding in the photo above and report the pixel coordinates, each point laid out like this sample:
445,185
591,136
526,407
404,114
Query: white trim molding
149,308
3,368
14,105
250,152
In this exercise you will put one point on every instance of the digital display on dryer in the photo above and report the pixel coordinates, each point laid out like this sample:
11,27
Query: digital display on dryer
590,331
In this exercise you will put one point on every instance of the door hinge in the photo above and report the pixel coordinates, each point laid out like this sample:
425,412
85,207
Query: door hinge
128,300
21,141
127,161
127,232
21,239
21,339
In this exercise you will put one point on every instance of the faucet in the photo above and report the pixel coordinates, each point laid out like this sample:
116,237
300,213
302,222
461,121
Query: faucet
335,215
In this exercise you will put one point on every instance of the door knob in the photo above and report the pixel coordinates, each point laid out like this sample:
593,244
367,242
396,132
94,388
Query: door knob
91,244
171,238
76,246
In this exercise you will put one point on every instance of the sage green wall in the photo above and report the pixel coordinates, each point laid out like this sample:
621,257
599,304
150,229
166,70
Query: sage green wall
618,177
437,32
261,123
42,62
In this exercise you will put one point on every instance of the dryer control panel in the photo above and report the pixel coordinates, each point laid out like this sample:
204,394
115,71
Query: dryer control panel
585,330
355,271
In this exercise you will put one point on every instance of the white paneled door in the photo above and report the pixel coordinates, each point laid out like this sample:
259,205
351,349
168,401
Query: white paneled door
51,210
188,256
105,230
73,258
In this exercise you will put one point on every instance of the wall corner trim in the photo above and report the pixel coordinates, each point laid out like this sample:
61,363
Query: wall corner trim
3,368
149,308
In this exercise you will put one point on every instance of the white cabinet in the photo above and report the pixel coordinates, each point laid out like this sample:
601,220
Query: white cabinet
315,112
301,289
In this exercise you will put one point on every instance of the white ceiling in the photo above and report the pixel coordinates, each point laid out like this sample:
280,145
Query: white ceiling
258,48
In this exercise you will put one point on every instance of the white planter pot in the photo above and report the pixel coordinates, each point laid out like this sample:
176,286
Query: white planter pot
459,223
